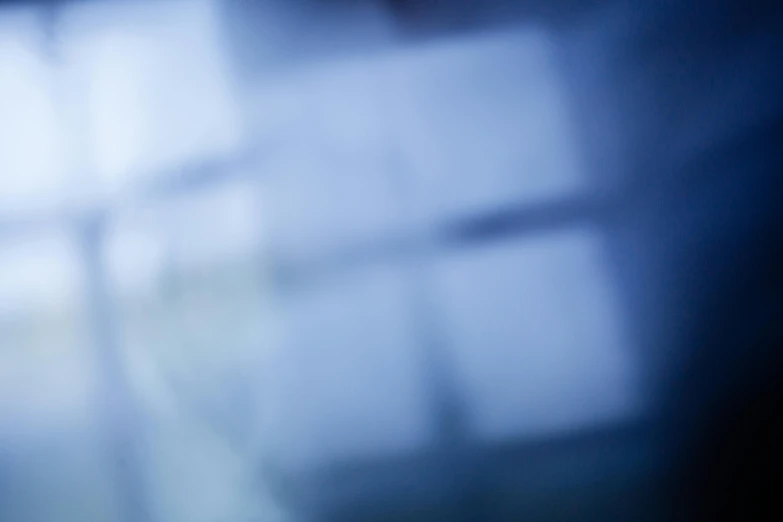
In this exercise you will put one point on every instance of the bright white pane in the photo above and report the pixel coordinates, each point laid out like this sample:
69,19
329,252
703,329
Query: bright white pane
31,165
154,85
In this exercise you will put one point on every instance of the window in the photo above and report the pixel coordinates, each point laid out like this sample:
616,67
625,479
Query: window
374,175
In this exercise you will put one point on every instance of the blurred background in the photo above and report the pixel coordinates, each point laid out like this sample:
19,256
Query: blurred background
299,260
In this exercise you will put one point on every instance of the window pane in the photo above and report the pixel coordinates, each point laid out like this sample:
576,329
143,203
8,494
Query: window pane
192,300
51,438
153,85
537,336
484,123
31,165
346,383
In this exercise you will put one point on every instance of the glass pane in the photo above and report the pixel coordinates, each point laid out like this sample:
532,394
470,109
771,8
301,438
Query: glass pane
31,165
52,441
346,382
153,85
192,300
537,335
484,123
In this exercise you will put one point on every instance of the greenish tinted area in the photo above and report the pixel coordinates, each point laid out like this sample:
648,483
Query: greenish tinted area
189,352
